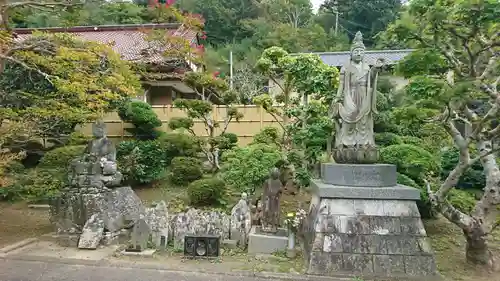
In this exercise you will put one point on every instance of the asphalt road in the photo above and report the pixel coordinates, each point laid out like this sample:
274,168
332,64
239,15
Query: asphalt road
17,270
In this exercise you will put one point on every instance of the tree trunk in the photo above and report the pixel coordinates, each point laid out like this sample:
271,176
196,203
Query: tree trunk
477,251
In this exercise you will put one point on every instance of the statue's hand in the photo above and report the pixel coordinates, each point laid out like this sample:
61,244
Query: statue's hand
334,110
379,63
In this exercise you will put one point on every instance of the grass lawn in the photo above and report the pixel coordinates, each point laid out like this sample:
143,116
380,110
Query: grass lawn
17,222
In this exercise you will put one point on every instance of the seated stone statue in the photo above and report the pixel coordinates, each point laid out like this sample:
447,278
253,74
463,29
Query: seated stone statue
271,202
97,167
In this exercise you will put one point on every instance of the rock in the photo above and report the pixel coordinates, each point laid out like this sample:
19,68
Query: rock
199,222
92,233
122,208
157,219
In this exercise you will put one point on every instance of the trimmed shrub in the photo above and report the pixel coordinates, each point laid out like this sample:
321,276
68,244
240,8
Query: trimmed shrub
60,158
405,180
143,117
411,140
232,140
184,170
472,178
386,139
179,144
141,161
462,199
38,185
268,135
385,85
411,160
207,192
247,167
78,138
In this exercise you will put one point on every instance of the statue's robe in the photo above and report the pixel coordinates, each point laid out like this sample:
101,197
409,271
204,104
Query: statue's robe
271,204
359,103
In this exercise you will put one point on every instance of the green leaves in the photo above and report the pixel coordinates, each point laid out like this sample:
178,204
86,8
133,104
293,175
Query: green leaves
247,167
194,108
142,116
65,81
180,123
422,62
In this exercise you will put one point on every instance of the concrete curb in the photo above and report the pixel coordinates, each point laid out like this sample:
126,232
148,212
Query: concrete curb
136,265
15,246
39,206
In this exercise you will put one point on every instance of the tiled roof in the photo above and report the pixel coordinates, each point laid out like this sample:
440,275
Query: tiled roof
340,58
127,40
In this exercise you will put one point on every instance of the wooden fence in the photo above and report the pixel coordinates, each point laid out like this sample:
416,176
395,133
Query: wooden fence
254,119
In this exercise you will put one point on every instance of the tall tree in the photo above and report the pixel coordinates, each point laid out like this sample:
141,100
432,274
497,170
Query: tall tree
463,36
90,12
222,18
56,80
368,16
295,13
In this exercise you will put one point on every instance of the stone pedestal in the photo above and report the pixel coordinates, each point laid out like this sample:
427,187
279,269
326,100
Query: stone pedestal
267,243
90,214
362,223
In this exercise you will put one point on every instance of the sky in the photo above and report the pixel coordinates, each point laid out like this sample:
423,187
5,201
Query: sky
316,4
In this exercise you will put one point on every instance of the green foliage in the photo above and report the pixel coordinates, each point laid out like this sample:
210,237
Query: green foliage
368,16
141,161
422,62
35,185
184,170
405,180
429,90
411,119
387,139
176,123
142,116
60,158
78,138
472,178
207,192
411,140
412,161
384,86
43,182
178,144
463,200
247,167
311,76
91,13
268,135
231,140
80,81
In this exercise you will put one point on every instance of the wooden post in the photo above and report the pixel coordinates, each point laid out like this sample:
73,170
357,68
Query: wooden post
215,118
122,129
261,116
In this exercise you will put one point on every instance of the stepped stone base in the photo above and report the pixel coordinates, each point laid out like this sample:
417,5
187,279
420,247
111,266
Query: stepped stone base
372,231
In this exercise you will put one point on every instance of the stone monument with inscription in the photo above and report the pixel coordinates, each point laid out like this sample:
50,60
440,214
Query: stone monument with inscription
94,204
361,222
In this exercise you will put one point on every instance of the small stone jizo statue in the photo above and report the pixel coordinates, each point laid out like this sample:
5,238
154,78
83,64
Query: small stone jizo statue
272,189
354,107
241,220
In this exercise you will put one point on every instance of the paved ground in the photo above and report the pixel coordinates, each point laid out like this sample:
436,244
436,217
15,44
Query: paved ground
15,270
